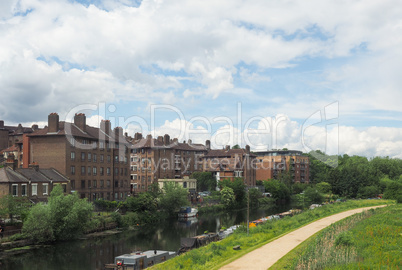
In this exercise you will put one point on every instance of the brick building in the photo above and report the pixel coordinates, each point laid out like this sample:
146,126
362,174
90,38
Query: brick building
162,158
94,159
270,164
231,163
34,183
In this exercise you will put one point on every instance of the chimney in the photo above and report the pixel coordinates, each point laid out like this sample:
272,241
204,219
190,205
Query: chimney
190,141
208,144
80,121
11,162
248,149
149,137
34,166
227,148
137,136
118,133
166,139
160,139
53,122
19,129
1,123
105,126
125,134
35,127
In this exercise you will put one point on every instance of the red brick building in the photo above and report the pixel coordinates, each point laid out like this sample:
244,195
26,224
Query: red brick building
94,159
270,164
231,163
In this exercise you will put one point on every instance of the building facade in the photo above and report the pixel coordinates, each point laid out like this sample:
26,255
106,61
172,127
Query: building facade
96,160
231,163
271,164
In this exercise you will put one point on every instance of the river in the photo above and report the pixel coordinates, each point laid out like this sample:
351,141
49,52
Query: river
95,252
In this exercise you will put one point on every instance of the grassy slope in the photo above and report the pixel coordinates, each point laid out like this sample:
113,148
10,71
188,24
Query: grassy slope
220,253
365,241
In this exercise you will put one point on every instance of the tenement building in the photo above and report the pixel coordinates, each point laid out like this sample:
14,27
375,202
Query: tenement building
231,163
273,164
162,158
94,159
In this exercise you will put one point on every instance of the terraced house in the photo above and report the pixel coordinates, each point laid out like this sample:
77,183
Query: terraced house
96,160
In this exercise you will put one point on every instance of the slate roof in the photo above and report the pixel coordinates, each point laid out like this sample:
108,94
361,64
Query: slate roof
12,148
7,175
156,144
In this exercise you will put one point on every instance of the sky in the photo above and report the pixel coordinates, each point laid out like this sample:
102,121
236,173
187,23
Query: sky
273,74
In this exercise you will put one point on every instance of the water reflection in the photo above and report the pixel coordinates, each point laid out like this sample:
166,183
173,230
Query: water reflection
94,253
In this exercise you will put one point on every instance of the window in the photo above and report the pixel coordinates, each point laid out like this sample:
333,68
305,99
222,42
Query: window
101,171
89,156
108,158
24,189
101,158
72,184
125,160
125,171
34,189
72,141
116,183
89,183
116,171
64,186
82,183
116,158
184,184
108,170
72,170
72,155
95,183
149,178
82,156
108,183
95,157
89,170
101,183
45,189
15,190
94,170
116,195
101,145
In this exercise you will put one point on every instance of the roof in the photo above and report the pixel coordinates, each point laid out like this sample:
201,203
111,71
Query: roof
13,148
14,130
157,144
279,153
8,175
221,153
66,128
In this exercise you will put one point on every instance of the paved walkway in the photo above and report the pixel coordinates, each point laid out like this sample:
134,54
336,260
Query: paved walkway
267,255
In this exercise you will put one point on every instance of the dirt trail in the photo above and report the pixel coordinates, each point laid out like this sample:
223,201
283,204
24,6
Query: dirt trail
267,255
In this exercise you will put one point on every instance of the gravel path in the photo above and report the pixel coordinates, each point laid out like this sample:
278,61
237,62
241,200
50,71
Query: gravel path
267,255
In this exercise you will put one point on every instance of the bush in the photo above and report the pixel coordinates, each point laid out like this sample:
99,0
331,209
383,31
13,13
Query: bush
344,239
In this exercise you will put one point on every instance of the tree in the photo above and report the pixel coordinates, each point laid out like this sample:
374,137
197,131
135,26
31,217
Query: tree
393,191
236,146
172,198
278,190
239,189
254,194
205,181
323,187
144,202
14,207
368,192
312,195
64,217
227,197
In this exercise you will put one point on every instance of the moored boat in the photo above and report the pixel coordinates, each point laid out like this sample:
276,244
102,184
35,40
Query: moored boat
186,212
140,260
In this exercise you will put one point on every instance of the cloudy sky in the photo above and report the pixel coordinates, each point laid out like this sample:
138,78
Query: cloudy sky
304,75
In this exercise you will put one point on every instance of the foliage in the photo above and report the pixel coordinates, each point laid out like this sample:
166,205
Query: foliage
239,189
236,146
323,187
312,195
105,205
145,201
14,207
368,192
298,188
172,198
208,258
205,181
228,197
64,217
278,190
393,191
254,196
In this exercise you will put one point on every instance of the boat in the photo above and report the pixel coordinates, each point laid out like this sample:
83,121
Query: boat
187,244
186,212
140,260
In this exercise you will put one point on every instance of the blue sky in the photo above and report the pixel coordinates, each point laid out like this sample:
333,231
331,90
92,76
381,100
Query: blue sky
280,62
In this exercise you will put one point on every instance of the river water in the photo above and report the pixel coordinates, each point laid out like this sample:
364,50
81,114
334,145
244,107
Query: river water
94,253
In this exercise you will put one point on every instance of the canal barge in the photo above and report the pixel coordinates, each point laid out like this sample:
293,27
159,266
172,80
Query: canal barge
187,212
140,260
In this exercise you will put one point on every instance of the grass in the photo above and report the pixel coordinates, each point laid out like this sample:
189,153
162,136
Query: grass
370,240
221,253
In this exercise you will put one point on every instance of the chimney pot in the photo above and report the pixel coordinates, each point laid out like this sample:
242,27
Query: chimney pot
53,122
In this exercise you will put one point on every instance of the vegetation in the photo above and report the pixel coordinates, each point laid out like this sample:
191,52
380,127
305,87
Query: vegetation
12,207
370,240
172,198
64,217
205,181
217,254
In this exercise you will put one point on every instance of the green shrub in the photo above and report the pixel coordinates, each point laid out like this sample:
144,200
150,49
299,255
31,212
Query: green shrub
344,239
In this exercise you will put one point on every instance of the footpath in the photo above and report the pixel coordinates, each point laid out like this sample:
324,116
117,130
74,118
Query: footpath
267,255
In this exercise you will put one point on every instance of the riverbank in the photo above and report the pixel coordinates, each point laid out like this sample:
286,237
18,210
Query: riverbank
370,240
220,253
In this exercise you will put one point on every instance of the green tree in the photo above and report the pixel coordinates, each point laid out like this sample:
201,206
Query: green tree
393,191
145,201
323,187
205,181
368,192
65,216
236,146
228,197
312,195
278,190
172,198
12,207
254,194
239,189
